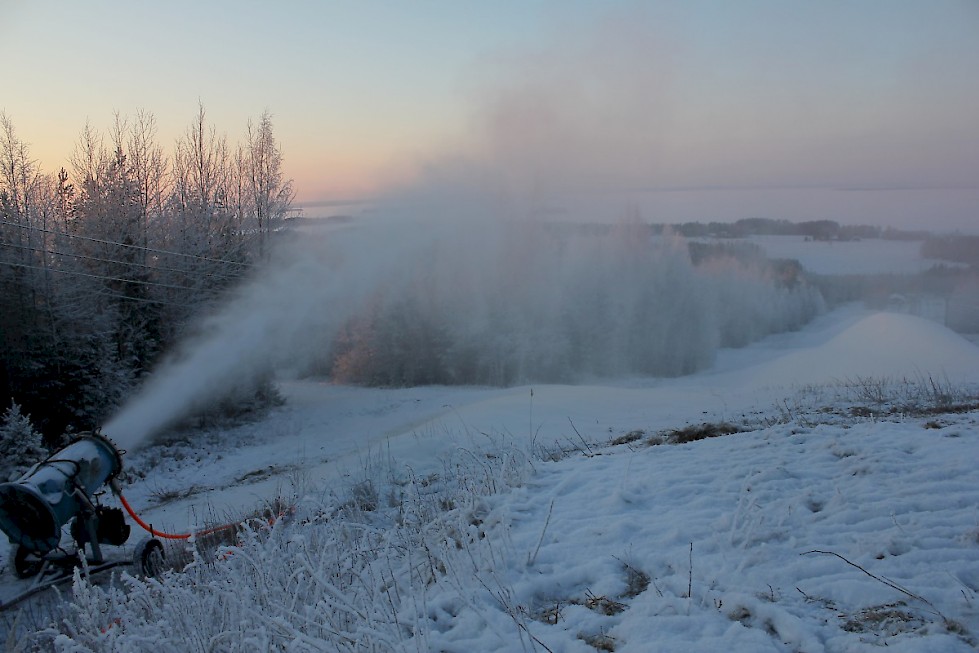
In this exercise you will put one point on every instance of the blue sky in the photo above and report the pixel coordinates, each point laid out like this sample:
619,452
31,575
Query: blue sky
548,94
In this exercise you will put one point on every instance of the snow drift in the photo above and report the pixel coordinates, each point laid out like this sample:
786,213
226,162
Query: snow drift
881,345
423,524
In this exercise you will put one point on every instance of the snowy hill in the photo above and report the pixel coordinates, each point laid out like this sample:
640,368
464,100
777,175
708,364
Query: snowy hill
842,515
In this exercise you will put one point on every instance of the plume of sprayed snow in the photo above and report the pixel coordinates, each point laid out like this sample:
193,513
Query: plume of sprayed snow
462,287
271,323
531,302
485,301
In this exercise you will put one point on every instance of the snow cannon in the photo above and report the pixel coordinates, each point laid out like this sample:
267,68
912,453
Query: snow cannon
59,490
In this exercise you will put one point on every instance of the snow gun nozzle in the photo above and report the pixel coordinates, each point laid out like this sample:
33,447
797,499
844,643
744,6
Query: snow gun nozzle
35,507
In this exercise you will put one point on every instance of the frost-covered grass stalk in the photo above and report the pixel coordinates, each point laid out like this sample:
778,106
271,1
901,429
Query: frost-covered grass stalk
879,397
347,571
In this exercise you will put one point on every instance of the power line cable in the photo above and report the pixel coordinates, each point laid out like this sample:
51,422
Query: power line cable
141,300
222,275
103,293
116,244
106,278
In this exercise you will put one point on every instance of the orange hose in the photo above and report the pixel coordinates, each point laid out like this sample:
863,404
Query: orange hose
169,536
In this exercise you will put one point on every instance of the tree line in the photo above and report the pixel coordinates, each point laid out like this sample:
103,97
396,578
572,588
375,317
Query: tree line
959,248
104,264
812,229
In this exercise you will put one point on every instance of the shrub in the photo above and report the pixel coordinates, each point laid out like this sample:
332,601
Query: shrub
20,444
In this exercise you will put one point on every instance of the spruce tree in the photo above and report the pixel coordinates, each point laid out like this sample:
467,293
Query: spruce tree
20,444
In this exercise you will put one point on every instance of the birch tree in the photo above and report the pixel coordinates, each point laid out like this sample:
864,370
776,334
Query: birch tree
271,192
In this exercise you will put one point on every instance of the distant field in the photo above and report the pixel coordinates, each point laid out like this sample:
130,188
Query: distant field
870,256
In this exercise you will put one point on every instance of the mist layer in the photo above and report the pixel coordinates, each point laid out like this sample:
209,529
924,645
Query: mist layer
461,302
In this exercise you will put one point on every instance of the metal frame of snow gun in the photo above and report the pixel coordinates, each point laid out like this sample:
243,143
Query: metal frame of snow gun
61,491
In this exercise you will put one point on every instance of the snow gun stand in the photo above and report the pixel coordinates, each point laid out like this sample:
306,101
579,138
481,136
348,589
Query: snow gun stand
60,491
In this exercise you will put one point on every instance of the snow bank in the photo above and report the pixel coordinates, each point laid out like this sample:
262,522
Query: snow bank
792,538
891,345
330,429
468,544
723,529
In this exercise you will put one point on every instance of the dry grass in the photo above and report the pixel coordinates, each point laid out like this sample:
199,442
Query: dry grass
887,620
214,540
693,433
599,642
628,438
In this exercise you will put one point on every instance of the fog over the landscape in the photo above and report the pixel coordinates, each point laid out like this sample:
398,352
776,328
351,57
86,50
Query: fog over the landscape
564,325
478,302
599,121
463,272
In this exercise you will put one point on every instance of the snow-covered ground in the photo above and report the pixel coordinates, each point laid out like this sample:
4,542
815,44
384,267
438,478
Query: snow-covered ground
870,256
844,515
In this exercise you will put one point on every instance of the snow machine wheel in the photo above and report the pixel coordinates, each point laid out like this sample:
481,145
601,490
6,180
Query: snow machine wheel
26,562
149,557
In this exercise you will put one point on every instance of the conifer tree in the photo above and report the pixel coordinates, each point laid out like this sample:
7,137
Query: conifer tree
20,444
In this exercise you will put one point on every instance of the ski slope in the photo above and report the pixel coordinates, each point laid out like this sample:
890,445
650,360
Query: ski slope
831,523
328,430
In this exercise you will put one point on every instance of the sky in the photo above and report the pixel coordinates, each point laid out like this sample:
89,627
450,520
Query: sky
861,111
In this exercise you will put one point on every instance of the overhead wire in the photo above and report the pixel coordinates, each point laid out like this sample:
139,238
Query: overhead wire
117,244
111,295
210,273
108,278
103,277
141,300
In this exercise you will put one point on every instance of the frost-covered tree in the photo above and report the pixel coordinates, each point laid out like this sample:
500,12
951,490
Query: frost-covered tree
106,264
110,214
201,166
203,218
20,444
271,193
148,167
